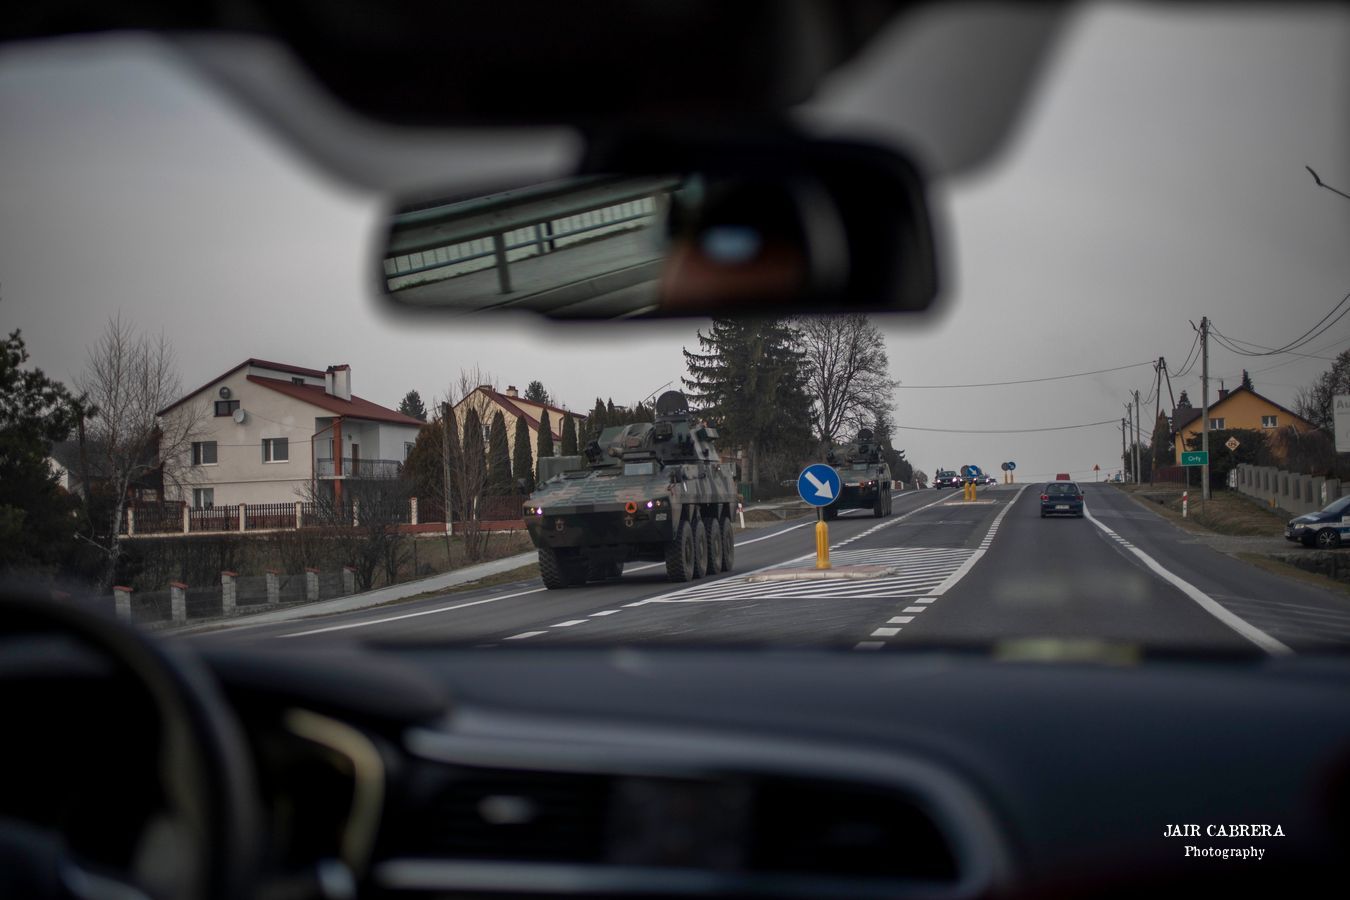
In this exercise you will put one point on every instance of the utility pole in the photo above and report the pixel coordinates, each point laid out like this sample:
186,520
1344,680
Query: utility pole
1129,458
1138,470
1204,402
1122,442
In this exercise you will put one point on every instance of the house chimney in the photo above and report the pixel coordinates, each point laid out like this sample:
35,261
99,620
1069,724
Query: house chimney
511,391
1223,392
337,381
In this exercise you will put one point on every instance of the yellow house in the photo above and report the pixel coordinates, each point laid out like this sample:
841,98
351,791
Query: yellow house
487,401
1238,408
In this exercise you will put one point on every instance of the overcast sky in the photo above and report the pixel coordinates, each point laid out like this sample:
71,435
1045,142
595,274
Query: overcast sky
1157,178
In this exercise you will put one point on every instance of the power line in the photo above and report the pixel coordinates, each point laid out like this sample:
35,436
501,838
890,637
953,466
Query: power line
1004,430
1307,337
1024,380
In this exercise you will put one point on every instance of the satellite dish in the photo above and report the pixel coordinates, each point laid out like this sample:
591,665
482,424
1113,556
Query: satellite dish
240,416
224,393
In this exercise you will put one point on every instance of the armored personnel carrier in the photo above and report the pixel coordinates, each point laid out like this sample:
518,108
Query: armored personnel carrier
650,491
864,477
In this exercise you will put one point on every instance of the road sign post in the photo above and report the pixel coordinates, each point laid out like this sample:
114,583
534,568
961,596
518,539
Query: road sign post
818,485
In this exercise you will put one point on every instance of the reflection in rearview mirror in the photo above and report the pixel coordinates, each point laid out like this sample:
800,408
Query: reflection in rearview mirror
608,246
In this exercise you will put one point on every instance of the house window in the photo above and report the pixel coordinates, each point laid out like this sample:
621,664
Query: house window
407,449
1268,422
203,453
276,450
226,407
1216,424
297,380
203,498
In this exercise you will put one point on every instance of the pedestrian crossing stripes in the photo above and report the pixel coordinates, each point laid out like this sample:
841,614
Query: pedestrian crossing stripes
918,571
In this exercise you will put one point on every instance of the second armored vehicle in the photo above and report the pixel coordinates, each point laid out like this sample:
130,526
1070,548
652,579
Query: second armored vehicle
649,491
864,477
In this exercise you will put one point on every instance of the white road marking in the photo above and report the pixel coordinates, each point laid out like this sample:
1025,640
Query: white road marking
978,554
523,635
900,620
412,615
870,645
569,623
925,600
886,632
1207,603
914,609
604,612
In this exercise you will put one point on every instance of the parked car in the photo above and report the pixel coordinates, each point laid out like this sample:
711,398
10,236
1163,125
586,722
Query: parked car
1324,529
947,478
1062,498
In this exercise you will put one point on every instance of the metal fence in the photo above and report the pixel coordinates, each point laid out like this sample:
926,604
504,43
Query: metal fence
269,515
326,467
221,518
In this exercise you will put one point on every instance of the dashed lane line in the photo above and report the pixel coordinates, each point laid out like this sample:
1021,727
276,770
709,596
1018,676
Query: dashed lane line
947,584
523,635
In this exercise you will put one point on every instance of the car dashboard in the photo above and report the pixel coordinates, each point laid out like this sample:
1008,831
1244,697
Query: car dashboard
420,771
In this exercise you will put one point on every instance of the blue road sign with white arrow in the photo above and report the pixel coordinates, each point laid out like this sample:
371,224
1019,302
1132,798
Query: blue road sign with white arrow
818,485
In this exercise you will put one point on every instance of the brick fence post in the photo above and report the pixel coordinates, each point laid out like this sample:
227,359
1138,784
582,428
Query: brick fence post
131,521
178,602
273,587
311,583
412,510
348,580
187,519
299,514
243,516
229,594
122,602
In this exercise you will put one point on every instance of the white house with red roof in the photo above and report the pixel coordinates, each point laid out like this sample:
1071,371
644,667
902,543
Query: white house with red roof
268,430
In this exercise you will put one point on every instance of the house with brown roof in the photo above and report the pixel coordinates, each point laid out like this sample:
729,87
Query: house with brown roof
268,430
486,400
1239,408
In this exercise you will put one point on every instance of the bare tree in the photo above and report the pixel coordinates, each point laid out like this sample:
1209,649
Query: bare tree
134,442
847,373
470,411
363,526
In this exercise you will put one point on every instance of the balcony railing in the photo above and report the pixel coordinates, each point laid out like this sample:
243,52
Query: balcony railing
357,468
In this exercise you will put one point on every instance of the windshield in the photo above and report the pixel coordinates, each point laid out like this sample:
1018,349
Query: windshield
1143,290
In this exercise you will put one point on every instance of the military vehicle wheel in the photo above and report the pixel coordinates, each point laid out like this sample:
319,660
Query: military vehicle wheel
728,545
700,549
714,529
879,505
552,569
680,554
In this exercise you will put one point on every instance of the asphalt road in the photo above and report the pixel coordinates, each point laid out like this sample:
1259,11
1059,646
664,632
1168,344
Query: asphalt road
961,573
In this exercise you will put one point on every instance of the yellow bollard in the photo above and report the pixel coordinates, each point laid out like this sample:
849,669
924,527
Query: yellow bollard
822,545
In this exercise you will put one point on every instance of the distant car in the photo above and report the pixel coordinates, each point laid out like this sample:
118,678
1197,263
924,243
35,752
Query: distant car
1062,498
989,479
1324,529
947,478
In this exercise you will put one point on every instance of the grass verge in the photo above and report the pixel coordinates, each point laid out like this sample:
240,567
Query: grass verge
1226,512
1276,567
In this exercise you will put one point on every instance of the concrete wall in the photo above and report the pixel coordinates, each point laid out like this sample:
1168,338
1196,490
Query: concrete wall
1294,493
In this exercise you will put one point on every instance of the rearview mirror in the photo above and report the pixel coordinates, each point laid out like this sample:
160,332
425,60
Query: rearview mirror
654,228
